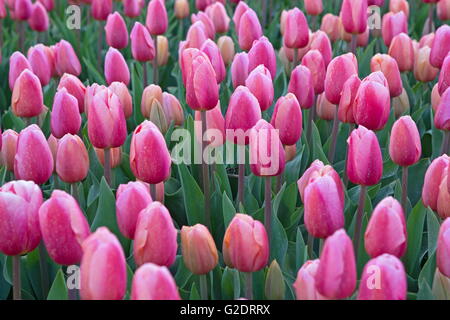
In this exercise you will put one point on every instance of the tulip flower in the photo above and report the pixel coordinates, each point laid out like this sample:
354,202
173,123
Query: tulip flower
226,47
435,177
313,7
115,156
155,237
401,49
8,149
150,96
66,60
208,24
423,70
74,87
262,52
399,5
329,25
153,282
246,246
38,19
305,284
116,31
27,97
239,69
296,30
116,68
386,231
163,50
325,110
392,25
210,48
132,8
388,66
99,281
131,199
444,76
321,42
72,160
339,70
156,23
347,101
100,9
249,29
354,16
443,10
443,248
259,82
17,63
314,61
64,228
218,15
40,64
121,91
65,117
181,9
215,124
196,35
32,145
336,275
241,8
287,118
142,46
172,109
22,9
442,120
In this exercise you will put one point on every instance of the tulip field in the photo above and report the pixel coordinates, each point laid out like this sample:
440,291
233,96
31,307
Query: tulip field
225,150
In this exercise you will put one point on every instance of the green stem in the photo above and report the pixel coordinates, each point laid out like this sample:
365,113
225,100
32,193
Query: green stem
205,174
74,191
203,287
44,269
334,133
345,178
144,72
155,61
310,246
359,216
268,206
446,143
99,45
241,184
248,285
404,189
17,294
107,167
312,110
353,43
153,191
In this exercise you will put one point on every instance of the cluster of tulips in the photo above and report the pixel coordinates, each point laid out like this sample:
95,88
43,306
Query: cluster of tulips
37,212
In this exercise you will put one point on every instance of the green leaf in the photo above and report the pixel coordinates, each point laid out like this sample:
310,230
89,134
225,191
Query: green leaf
194,200
228,209
58,290
415,225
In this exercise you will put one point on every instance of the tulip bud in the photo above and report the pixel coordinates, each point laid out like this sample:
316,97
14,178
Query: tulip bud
442,116
40,65
287,118
106,121
392,25
365,163
91,91
48,4
313,7
337,255
99,281
19,219
65,117
243,113
64,228
196,35
443,248
339,70
153,282
301,84
219,17
172,109
305,284
131,199
266,150
314,168
181,9
17,63
321,42
116,31
155,238
215,125
347,101
423,70
239,69
354,16
444,76
241,8
329,25
115,157
399,5
27,98
8,150
132,8
53,145
74,87
325,109
245,244
157,116
226,47
142,46
22,9
262,52
150,95
400,104
121,91
443,10
149,158
296,29
210,48
441,46
72,160
404,146
389,67
156,20
314,61
433,177
249,29
116,68
207,23
259,82
163,50
275,286
66,60
38,19
435,97
100,9
401,49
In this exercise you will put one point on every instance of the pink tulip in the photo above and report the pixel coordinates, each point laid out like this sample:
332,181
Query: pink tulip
215,125
433,179
329,25
65,117
196,35
321,42
19,219
249,29
262,52
74,87
40,64
259,82
115,156
66,60
27,97
296,29
153,282
241,8
442,116
100,9
287,118
116,68
103,270
132,8
339,70
219,17
313,7
22,9
388,66
401,49
305,284
172,109
354,16
211,49
17,63
399,5
336,276
149,157
325,109
443,248
142,45
423,70
347,101
314,61
48,4
444,76
116,31
301,84
131,199
405,148
64,228
72,159
435,97
392,25
239,69
245,244
156,20
8,150
365,163
38,19
441,46
427,40
207,22
443,10
121,91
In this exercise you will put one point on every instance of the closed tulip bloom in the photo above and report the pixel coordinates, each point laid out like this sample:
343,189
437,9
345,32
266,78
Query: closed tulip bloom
443,10
132,8
372,105
208,24
155,238
198,249
64,228
354,16
313,7
116,68
405,148
72,159
218,15
245,244
115,157
106,121
156,20
66,60
210,48
444,76
53,144
142,45
262,52
40,64
153,282
442,116
150,94
336,275
163,50
38,19
389,67
339,70
103,270
116,31
27,97
74,87
305,284
17,63
386,231
296,29
121,91
329,25
347,101
441,46
400,104
267,156
365,162
181,9
321,42
226,47
401,49
314,61
8,150
423,70
434,177
443,248
22,9
196,35
301,84
48,4
172,109
399,5
215,125
243,113
239,69
249,29
91,91
100,9
325,109
392,25
149,158
426,40
131,199
259,82
435,97
65,116
287,118
241,8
